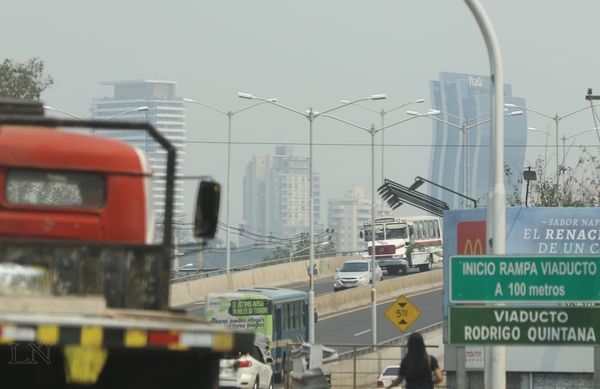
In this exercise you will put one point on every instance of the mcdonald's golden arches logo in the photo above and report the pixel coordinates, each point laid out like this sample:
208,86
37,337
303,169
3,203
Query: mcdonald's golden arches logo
473,248
471,238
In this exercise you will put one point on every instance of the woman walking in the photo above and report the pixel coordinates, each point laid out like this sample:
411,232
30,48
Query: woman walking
417,368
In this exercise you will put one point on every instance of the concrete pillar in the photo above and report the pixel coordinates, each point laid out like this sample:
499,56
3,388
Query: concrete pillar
461,371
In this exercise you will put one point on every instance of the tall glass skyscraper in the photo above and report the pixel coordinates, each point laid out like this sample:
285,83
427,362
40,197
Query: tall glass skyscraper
156,102
461,153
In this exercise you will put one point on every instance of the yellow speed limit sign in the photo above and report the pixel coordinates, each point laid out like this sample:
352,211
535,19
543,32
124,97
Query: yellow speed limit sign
402,313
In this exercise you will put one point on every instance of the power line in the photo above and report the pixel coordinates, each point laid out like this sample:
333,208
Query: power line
471,146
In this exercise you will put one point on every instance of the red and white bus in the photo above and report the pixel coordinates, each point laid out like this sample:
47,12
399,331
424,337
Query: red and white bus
404,242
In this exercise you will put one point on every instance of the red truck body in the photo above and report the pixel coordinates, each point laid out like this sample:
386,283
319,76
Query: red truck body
84,290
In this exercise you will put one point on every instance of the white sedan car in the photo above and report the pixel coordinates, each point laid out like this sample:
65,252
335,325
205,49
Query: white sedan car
252,371
386,377
355,272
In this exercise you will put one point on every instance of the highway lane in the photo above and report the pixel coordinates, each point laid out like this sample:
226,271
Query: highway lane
355,326
321,286
325,285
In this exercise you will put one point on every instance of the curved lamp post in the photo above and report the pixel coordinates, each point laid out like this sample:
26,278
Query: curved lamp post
229,115
382,113
495,369
137,109
49,108
311,116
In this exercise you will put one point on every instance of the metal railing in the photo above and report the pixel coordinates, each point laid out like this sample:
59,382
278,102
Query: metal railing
366,349
373,357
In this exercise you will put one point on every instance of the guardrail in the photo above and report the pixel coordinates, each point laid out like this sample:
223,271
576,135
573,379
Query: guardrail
272,262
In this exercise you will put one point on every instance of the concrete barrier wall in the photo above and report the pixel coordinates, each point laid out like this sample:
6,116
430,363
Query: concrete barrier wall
392,288
367,367
189,292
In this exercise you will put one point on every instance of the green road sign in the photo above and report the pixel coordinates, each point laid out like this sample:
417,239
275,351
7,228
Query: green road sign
524,326
528,279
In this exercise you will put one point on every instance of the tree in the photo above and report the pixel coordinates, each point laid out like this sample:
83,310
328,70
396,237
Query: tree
23,80
578,186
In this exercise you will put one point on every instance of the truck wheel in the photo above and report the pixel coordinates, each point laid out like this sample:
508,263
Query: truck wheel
404,269
427,266
392,270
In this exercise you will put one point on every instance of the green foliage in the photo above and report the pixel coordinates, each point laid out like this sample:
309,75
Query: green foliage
23,80
578,185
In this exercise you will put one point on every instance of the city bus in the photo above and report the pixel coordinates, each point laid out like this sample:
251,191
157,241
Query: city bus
277,316
405,242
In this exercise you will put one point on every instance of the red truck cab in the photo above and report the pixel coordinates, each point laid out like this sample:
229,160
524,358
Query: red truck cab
71,186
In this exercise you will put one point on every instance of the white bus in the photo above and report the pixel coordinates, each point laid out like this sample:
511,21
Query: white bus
405,242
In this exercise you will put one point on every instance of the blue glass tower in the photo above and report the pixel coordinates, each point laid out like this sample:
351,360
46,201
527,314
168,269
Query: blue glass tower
461,152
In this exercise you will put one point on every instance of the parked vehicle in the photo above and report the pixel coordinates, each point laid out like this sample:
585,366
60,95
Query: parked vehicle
386,377
249,370
355,273
404,243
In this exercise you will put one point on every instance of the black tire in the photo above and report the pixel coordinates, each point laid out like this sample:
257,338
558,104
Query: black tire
404,270
392,270
427,266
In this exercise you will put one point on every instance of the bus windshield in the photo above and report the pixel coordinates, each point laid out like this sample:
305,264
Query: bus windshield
396,231
378,233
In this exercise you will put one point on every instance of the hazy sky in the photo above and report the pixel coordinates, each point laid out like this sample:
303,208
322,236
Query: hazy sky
309,54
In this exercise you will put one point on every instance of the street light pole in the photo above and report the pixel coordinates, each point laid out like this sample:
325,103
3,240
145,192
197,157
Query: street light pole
49,108
372,131
564,140
556,118
382,113
311,115
137,109
495,371
373,280
229,115
464,128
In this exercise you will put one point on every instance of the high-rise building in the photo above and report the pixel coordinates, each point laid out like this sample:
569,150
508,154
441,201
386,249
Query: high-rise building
156,102
347,214
276,195
464,100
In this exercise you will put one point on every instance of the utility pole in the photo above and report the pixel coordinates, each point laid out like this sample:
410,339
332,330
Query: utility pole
590,97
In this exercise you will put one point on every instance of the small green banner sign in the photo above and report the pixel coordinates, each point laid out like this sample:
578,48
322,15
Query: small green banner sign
506,279
524,326
250,307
